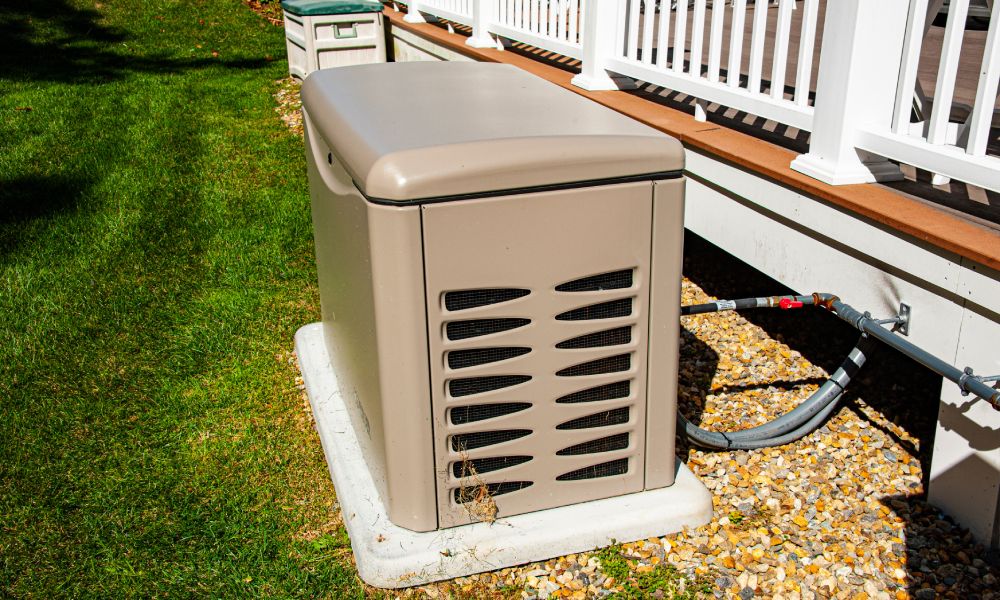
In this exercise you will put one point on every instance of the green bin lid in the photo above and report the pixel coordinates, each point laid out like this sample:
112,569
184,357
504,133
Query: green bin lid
309,8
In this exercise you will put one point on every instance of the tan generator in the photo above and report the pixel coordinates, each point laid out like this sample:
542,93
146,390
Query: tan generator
499,267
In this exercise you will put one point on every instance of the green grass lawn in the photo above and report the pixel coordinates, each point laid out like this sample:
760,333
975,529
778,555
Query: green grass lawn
155,262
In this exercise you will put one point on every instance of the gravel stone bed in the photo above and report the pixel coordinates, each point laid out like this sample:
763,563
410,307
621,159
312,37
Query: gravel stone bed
839,514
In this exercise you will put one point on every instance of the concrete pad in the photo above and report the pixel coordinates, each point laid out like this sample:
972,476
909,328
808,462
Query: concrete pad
390,556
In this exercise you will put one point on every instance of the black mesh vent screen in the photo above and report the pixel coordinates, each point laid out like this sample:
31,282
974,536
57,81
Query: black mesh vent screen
480,439
482,492
480,385
460,359
606,444
460,330
466,299
608,469
470,414
610,337
616,416
468,468
596,394
611,364
615,280
604,310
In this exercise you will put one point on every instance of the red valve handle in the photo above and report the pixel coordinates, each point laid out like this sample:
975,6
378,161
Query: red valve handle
787,303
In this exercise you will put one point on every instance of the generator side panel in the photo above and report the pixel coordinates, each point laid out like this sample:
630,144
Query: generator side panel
396,248
537,327
370,272
664,332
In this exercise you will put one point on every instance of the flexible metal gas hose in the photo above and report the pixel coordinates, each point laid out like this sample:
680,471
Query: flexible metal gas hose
812,412
801,421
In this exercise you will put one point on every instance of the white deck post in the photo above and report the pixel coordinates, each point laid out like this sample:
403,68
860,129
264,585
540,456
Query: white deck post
482,18
602,39
413,12
858,72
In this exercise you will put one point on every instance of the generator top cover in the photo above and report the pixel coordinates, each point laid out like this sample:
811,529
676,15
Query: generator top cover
422,131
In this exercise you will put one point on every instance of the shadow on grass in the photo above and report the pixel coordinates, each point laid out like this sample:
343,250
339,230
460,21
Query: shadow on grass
30,198
54,40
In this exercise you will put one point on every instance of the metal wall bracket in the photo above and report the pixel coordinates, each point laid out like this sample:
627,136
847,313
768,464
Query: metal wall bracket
905,313
901,322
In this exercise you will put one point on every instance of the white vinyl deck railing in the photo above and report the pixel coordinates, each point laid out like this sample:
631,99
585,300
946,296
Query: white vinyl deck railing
554,25
550,24
459,11
673,55
939,140
863,106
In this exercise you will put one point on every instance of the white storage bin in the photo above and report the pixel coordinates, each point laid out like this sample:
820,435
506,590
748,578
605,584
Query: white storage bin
321,34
